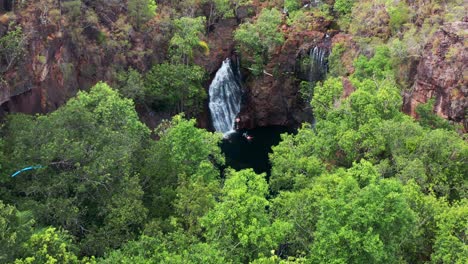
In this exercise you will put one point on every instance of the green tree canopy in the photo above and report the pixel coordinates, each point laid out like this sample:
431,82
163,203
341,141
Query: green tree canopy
87,185
326,96
131,85
11,47
450,242
187,36
15,229
240,223
176,87
181,164
141,11
343,6
49,246
366,220
259,39
175,247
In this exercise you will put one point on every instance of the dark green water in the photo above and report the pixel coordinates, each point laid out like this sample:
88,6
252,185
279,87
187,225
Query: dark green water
242,153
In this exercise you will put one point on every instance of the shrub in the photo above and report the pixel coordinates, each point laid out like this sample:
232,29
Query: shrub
292,5
399,15
343,6
176,87
141,11
11,48
258,40
335,66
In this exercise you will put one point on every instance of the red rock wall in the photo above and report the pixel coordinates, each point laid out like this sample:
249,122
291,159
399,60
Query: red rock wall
273,98
442,74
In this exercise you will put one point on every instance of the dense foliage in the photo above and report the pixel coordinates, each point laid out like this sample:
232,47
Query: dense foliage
367,184
176,87
11,47
258,40
364,184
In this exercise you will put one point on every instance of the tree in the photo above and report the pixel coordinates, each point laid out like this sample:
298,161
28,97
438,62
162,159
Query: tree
399,15
240,223
450,243
259,40
192,163
428,118
87,184
336,66
377,67
220,9
343,6
346,130
131,85
292,5
427,207
176,87
224,9
301,208
141,11
444,155
293,164
15,229
11,47
326,96
49,246
187,32
175,247
367,221
196,195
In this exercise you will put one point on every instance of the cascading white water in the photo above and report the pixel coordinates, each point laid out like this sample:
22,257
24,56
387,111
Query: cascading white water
225,98
313,69
318,64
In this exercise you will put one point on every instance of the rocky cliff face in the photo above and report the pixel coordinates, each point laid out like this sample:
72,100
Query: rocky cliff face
273,98
442,74
62,57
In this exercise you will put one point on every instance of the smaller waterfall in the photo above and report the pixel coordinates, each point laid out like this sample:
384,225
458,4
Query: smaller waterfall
313,68
318,64
225,97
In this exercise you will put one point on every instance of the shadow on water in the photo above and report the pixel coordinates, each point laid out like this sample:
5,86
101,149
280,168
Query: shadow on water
242,153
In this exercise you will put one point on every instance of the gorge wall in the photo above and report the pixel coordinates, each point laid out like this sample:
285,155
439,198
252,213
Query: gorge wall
274,98
62,57
59,60
442,74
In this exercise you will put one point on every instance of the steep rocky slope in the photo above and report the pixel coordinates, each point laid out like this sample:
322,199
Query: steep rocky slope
69,50
273,98
64,54
442,74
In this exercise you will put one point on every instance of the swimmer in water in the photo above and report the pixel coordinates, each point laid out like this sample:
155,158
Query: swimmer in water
248,137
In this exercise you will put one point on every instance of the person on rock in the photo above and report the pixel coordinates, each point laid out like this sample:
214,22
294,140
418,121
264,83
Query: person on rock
237,122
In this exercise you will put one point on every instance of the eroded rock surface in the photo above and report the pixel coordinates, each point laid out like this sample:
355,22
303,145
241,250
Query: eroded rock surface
442,74
273,98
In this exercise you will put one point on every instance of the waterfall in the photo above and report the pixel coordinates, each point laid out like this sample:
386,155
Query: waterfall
314,3
313,68
225,97
318,64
